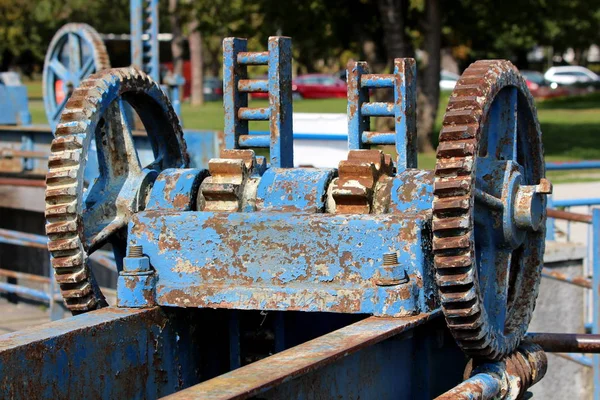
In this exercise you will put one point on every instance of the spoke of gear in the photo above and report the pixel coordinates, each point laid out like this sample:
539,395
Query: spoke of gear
453,212
65,183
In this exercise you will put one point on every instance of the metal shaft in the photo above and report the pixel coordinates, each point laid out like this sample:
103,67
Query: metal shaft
566,342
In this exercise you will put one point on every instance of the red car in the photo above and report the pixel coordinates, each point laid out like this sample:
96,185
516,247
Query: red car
320,86
314,86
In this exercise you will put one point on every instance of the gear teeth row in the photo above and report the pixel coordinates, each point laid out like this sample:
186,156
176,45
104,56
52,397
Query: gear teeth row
64,183
453,225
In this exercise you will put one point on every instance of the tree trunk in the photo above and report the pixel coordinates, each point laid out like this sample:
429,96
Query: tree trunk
177,41
394,17
429,76
195,41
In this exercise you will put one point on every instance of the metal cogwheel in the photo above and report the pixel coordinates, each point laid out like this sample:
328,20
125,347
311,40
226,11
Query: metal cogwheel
80,221
489,209
75,52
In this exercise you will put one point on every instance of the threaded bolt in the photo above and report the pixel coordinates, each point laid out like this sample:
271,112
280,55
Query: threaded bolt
135,251
390,258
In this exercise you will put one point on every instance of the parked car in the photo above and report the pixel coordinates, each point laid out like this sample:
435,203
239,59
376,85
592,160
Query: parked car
448,80
572,75
319,86
213,89
542,88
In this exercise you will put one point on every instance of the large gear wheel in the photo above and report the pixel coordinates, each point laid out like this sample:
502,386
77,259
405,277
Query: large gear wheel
75,52
489,209
80,221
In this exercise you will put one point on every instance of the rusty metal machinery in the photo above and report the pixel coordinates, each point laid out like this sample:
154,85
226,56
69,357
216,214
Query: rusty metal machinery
255,278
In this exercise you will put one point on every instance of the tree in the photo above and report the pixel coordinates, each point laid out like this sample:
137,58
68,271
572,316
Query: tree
429,77
177,40
196,59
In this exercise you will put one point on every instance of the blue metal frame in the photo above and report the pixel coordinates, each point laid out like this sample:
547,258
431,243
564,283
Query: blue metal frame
144,37
596,295
403,109
236,88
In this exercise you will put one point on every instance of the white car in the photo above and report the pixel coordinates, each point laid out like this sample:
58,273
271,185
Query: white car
569,75
448,80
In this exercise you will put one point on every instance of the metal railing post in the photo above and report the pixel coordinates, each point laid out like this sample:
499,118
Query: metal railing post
596,294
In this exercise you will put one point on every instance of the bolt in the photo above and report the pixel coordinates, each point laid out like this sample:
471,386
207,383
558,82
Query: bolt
135,251
390,259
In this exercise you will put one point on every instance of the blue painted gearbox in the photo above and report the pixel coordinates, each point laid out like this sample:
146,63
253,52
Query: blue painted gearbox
356,239
294,252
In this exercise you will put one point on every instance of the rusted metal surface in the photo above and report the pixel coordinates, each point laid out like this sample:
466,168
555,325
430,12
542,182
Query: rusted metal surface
299,261
106,354
22,182
487,305
506,379
353,191
577,280
251,380
566,342
569,216
478,387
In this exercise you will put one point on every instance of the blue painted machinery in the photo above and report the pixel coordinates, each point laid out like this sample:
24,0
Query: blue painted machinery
254,278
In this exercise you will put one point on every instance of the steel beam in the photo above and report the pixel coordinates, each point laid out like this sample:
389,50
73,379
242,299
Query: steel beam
111,354
370,359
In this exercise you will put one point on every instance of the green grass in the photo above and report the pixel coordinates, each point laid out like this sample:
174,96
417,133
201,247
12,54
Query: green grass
570,126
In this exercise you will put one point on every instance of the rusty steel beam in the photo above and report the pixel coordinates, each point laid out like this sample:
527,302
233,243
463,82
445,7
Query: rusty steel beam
24,276
104,258
11,153
568,216
577,280
566,342
275,370
23,182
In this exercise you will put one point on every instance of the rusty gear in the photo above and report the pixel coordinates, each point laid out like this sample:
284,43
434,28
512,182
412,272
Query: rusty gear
96,109
463,141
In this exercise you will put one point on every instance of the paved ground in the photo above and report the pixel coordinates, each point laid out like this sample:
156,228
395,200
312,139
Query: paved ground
20,316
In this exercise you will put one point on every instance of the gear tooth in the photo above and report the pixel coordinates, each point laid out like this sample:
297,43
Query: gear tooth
452,186
451,223
72,243
61,209
452,204
67,262
77,291
453,261
455,278
61,227
469,294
